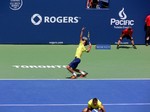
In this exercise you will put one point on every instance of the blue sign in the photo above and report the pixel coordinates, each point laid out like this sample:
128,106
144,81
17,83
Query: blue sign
103,47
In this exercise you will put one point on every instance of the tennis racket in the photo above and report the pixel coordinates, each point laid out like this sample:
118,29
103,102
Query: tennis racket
89,37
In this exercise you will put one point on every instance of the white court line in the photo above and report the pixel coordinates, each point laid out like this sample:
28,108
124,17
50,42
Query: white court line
113,79
64,105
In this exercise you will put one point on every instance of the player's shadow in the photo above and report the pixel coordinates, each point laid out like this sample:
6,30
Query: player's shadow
78,76
125,47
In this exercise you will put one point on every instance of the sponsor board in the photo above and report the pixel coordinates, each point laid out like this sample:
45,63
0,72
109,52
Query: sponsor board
123,22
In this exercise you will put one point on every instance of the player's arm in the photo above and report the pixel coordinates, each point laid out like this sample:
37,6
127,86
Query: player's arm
102,109
81,34
87,4
122,34
131,33
89,47
89,107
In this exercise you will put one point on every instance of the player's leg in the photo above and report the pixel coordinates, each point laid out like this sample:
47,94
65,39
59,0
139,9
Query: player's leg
69,68
77,70
148,38
86,110
147,41
84,74
72,66
132,42
119,41
147,35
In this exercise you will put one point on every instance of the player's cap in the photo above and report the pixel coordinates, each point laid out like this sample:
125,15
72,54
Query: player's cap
85,38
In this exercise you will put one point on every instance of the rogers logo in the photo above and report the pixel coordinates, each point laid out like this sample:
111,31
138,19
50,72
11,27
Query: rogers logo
123,22
36,16
37,19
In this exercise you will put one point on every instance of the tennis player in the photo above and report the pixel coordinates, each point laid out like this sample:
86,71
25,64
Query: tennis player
94,104
72,67
147,24
94,3
126,33
89,4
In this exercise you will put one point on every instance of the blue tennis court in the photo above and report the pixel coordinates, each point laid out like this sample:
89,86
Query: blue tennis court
73,95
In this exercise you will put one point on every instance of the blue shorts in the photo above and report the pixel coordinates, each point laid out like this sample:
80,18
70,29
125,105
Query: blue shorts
75,63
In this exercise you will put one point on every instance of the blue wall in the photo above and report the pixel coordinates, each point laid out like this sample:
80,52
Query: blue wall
16,26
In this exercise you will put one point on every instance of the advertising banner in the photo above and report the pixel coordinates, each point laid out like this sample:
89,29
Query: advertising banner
60,21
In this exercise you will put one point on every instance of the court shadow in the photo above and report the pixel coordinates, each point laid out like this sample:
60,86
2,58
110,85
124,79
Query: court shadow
125,47
78,76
